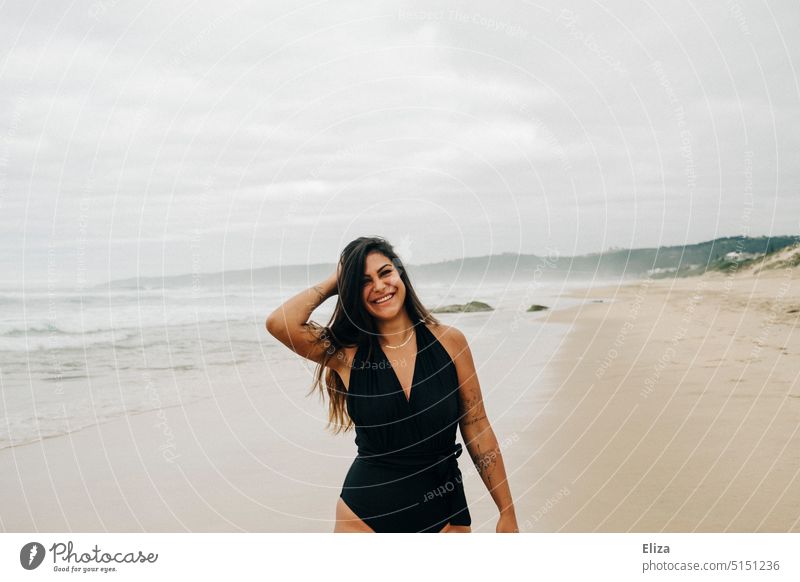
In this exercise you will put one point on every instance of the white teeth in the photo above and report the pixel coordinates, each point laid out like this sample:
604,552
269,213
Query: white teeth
384,299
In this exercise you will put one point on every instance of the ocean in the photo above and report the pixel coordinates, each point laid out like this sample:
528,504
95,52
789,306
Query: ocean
70,359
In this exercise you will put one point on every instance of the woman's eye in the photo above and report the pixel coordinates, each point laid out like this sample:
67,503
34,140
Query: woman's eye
382,275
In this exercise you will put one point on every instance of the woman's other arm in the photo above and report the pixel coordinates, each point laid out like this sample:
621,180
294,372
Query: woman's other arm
479,437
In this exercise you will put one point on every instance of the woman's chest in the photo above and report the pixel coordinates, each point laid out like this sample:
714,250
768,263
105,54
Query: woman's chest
376,397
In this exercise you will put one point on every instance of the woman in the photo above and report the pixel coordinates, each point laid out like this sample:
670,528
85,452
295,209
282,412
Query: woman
404,381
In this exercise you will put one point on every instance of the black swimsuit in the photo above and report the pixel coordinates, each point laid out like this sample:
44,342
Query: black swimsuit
406,476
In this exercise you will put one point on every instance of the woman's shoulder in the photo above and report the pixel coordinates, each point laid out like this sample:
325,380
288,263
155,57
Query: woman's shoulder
449,336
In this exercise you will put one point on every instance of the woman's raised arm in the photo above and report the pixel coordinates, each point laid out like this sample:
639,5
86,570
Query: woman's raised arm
289,322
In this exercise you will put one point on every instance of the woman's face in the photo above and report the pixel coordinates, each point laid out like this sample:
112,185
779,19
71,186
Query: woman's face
382,281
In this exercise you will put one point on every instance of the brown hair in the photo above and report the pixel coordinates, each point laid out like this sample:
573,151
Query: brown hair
352,325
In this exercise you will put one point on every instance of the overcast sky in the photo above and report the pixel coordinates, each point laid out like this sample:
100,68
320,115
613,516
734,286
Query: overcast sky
174,137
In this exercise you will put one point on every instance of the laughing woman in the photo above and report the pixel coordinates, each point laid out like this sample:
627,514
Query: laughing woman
404,381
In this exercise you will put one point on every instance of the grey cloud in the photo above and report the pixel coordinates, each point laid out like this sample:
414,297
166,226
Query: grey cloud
128,126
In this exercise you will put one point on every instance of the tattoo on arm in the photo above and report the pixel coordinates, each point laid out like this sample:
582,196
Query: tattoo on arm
475,419
472,411
485,462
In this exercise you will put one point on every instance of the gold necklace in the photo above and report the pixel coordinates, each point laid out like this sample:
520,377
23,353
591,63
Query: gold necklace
402,344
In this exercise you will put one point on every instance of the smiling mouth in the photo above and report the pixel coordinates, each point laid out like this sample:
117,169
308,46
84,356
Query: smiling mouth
384,299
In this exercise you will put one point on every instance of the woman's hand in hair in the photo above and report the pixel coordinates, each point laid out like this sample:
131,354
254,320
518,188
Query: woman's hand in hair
332,282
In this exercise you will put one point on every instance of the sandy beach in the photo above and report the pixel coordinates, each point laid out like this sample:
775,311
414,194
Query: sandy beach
668,405
678,409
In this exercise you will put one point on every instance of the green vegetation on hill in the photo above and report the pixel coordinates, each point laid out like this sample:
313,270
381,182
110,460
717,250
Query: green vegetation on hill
774,259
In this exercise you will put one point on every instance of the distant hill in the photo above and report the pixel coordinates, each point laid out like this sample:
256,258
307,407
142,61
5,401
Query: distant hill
671,261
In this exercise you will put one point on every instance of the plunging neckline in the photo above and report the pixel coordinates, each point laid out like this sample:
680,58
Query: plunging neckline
413,373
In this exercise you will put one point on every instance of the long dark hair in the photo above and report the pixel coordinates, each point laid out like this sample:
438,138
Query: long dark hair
352,325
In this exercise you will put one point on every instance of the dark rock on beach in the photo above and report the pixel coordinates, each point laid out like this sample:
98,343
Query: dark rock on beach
537,307
466,307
